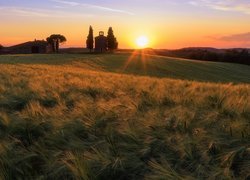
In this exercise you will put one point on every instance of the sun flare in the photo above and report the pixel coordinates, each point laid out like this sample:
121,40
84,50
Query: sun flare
142,41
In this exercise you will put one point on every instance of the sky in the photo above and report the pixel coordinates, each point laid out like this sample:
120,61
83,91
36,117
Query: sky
169,24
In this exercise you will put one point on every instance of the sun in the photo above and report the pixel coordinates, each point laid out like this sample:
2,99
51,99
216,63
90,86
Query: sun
142,41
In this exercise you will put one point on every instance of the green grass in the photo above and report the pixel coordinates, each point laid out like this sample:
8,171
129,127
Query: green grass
149,65
71,117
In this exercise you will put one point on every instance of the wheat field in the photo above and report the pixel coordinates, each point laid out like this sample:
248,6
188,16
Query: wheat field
141,64
79,121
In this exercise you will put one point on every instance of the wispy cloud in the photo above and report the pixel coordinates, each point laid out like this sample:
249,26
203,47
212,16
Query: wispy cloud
85,5
242,6
24,11
70,3
240,39
42,13
244,37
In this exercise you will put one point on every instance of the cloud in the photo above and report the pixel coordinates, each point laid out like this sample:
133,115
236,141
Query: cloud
42,13
239,40
85,5
242,6
24,11
244,37
70,3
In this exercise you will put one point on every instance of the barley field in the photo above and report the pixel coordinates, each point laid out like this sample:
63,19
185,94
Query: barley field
123,117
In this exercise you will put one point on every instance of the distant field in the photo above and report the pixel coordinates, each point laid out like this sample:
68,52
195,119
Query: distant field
72,117
156,66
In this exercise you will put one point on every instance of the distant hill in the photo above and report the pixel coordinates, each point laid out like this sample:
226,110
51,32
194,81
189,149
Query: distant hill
234,55
203,48
211,49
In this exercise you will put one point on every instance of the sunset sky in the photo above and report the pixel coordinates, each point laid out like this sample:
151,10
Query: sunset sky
167,23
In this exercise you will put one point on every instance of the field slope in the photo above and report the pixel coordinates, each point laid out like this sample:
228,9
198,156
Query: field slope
139,64
88,117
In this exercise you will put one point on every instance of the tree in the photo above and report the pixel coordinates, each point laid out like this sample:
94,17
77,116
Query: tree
1,47
116,44
90,39
111,40
55,40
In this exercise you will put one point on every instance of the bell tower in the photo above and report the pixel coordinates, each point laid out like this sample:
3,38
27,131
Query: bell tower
101,33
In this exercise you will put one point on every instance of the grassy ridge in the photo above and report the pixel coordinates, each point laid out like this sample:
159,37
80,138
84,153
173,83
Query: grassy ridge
67,122
156,66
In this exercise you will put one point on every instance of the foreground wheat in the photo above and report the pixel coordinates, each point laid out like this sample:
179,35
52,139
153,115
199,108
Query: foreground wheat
63,122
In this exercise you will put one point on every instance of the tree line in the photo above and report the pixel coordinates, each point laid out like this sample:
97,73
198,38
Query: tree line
241,56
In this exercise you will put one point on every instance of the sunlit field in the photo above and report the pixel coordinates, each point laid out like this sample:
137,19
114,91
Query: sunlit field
142,64
123,117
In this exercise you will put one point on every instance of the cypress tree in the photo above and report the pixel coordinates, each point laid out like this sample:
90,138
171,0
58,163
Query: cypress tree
90,39
111,40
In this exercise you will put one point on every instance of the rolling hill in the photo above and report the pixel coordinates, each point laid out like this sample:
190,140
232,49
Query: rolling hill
139,64
114,117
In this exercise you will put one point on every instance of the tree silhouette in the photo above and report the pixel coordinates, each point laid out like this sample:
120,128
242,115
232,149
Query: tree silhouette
241,56
90,39
1,47
55,40
116,44
111,40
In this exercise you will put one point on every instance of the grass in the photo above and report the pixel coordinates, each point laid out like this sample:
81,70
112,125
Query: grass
147,65
69,118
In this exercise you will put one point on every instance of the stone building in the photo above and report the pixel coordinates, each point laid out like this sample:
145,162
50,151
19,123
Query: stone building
101,42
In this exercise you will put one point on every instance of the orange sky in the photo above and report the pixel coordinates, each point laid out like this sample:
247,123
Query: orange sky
166,24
